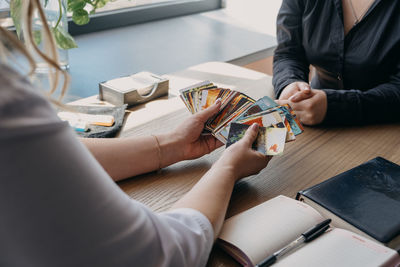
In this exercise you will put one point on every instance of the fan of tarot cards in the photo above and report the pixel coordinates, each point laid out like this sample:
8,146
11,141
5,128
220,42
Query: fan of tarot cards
278,124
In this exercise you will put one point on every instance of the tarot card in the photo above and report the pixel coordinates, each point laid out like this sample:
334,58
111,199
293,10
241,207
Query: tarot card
287,112
194,87
186,103
232,117
223,133
185,91
237,131
227,113
294,123
296,120
275,141
264,120
270,119
263,105
195,96
220,138
267,118
226,102
273,120
208,97
260,105
290,136
287,120
186,94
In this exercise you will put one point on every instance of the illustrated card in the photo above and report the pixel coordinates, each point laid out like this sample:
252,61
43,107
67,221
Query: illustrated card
188,94
208,97
228,112
265,115
287,112
264,120
275,141
260,105
296,124
237,131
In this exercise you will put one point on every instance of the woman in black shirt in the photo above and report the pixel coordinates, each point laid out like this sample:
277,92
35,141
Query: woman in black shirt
354,46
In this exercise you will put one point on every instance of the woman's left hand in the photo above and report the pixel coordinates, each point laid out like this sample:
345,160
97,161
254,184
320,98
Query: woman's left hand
310,108
191,142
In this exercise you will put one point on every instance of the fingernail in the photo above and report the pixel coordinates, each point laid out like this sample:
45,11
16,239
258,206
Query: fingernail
254,126
218,101
292,98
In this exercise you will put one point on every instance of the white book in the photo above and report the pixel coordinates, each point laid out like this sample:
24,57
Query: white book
257,233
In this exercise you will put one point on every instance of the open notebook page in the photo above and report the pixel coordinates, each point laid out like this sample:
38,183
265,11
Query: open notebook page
264,229
340,247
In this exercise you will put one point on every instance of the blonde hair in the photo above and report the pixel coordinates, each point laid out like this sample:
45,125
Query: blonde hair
50,54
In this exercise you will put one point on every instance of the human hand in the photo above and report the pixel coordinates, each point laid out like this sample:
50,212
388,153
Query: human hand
190,140
311,109
296,88
240,159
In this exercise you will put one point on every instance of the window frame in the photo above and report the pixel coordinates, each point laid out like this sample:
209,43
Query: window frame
4,13
139,14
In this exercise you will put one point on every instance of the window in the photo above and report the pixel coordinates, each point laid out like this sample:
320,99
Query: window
5,20
125,12
121,4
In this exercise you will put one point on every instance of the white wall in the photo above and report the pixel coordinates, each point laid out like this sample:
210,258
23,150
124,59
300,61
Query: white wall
260,15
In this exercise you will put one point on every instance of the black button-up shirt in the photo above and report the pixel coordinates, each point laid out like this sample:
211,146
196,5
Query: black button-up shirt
360,71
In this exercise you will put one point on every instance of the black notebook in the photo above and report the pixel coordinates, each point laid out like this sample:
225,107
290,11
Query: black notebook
365,199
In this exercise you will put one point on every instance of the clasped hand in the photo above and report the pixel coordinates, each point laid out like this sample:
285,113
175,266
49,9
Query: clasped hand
309,104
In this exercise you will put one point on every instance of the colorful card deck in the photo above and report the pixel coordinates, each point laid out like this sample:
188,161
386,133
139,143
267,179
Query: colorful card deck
240,109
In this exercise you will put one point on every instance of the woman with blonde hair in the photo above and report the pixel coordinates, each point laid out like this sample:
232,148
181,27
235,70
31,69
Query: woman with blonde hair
59,205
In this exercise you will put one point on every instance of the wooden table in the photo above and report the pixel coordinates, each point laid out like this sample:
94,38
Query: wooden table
316,155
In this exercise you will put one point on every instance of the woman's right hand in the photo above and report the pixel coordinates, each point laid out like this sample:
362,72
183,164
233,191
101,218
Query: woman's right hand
296,88
240,159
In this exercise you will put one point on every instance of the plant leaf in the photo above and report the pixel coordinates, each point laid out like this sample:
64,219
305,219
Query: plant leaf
101,3
74,5
63,39
15,10
80,17
37,37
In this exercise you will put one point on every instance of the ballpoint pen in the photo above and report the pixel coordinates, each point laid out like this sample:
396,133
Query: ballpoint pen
307,236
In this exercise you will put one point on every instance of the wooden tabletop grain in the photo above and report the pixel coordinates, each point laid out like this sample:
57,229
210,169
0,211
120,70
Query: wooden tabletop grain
316,155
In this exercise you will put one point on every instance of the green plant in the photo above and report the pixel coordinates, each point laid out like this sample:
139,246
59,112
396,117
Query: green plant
80,10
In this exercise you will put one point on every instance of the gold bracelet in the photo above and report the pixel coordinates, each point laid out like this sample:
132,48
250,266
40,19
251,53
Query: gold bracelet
159,153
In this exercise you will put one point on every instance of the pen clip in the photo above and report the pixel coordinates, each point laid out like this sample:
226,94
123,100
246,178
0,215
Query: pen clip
316,234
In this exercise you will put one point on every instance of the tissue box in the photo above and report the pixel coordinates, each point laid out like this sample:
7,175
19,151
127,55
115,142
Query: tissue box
134,89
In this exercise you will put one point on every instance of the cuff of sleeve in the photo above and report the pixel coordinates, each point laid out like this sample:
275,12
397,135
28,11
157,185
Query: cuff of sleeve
201,219
204,224
341,109
333,101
